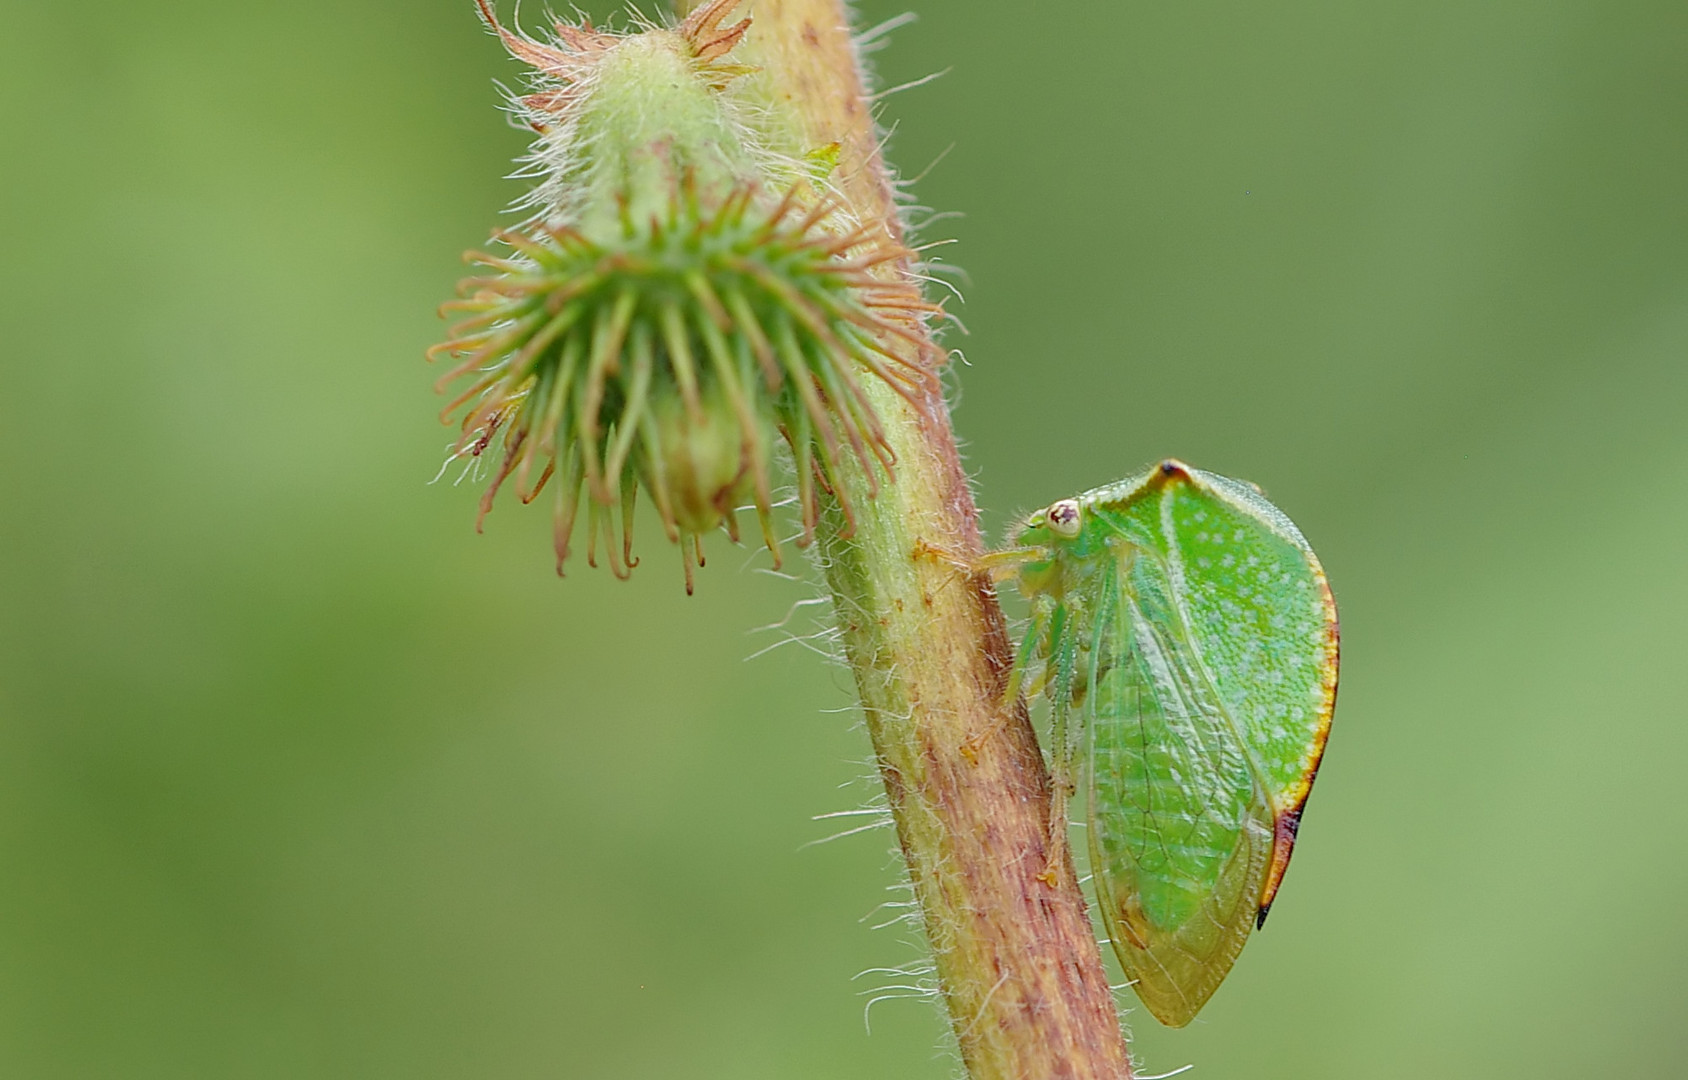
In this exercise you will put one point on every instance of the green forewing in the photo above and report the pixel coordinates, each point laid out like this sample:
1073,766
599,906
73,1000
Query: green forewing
1180,832
1206,643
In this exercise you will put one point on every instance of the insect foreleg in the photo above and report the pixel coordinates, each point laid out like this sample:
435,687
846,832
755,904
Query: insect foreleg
1035,627
1012,687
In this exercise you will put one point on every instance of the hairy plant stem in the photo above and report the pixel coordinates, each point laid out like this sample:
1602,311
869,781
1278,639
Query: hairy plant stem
1016,960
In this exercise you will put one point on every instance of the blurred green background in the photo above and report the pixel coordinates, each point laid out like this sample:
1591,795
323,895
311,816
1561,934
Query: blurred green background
300,778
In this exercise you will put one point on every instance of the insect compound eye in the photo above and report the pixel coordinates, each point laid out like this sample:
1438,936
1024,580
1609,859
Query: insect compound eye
1063,518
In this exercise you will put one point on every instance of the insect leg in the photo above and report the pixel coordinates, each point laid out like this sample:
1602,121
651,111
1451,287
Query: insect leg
1011,689
1062,649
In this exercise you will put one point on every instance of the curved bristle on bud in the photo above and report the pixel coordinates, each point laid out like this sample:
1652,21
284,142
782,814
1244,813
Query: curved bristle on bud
672,361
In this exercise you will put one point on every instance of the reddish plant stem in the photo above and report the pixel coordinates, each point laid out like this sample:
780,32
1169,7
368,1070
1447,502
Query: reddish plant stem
1016,960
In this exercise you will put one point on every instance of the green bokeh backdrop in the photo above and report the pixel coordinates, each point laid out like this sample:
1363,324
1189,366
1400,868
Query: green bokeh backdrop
301,778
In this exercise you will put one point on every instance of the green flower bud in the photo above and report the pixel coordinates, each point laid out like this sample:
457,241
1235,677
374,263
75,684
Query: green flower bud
669,314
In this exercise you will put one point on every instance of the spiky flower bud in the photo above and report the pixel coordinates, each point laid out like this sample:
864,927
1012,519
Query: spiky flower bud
680,301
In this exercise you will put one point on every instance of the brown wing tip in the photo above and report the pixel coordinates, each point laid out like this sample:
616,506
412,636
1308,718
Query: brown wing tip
1283,844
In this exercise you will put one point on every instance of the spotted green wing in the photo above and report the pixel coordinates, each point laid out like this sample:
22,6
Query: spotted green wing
1264,622
1212,685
